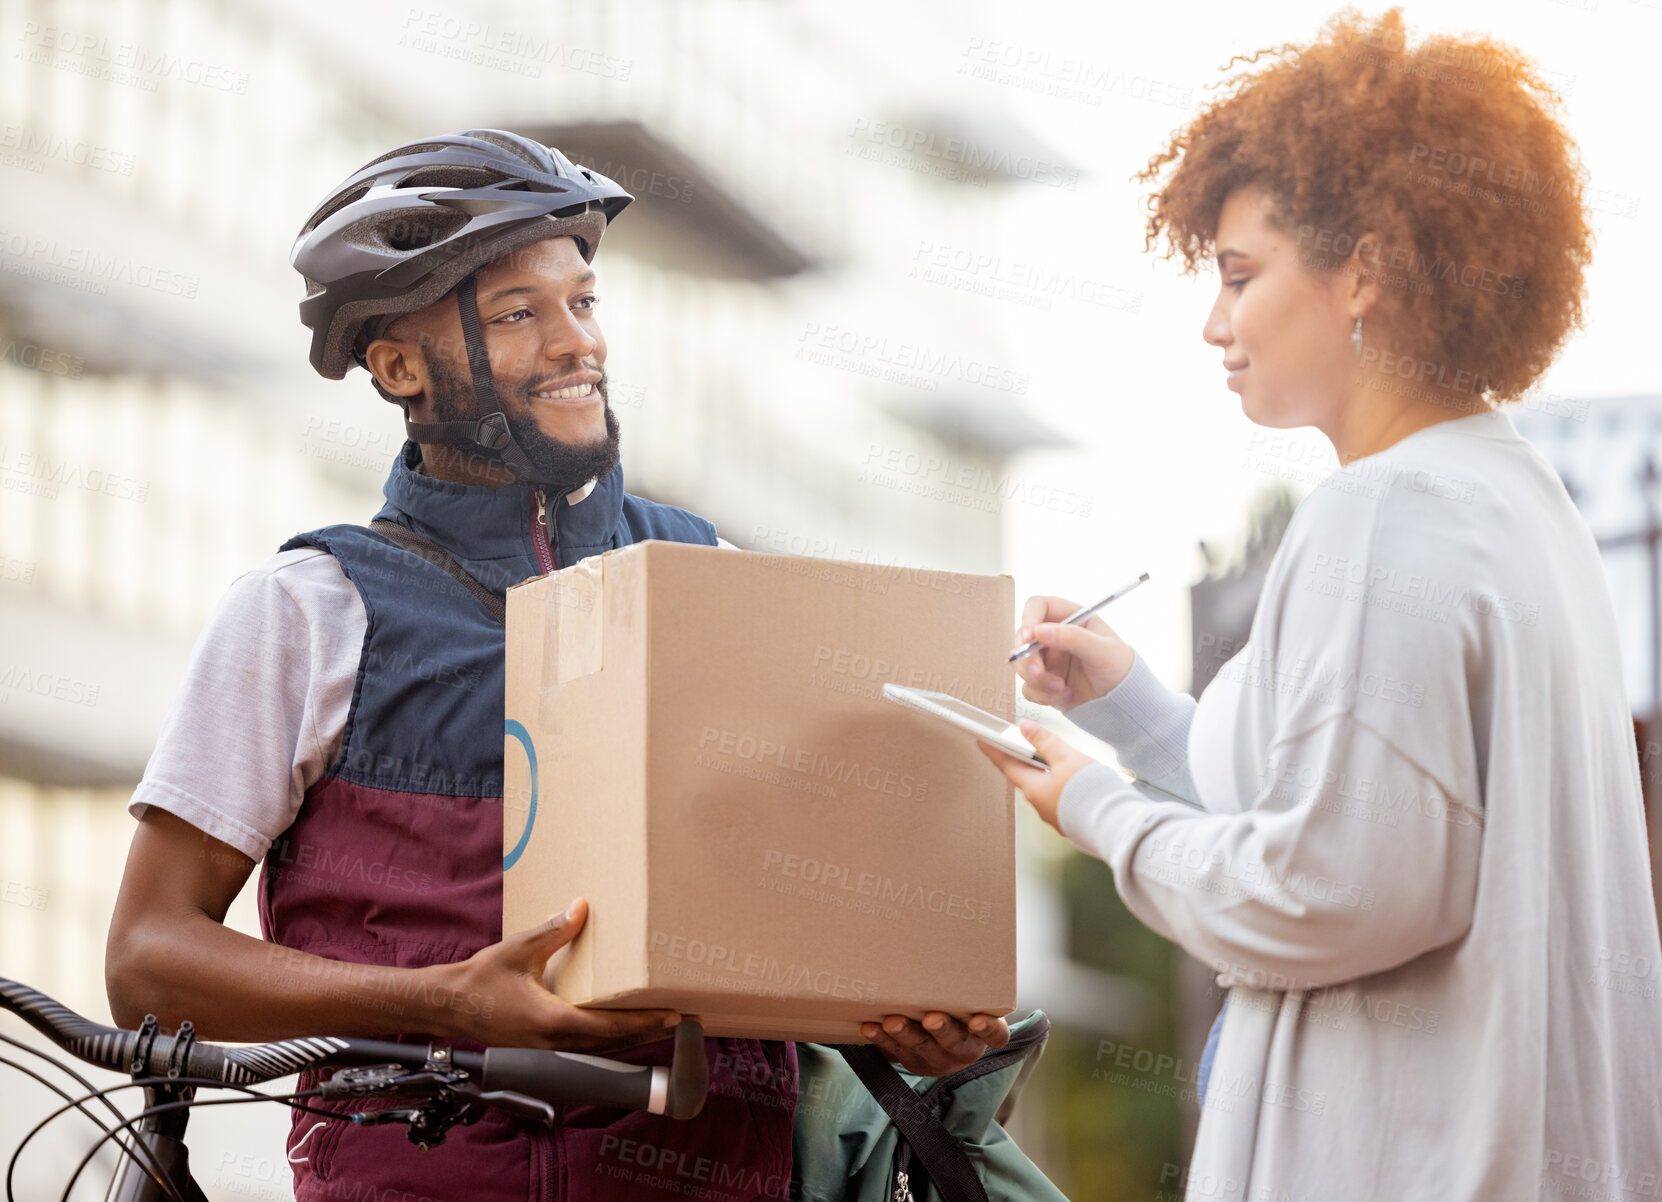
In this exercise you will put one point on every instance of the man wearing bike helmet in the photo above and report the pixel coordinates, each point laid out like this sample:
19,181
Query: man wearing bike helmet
342,713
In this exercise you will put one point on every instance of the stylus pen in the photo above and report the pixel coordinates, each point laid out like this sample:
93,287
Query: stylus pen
1079,615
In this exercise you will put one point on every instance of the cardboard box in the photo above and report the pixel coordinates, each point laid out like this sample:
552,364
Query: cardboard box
698,743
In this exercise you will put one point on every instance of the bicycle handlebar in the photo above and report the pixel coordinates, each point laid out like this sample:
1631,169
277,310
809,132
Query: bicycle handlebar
557,1078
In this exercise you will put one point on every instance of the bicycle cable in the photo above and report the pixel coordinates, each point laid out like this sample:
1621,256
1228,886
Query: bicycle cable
164,1107
11,1165
127,1124
63,1068
153,1165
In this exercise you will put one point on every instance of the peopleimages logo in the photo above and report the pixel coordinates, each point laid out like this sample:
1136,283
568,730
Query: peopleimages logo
46,475
911,363
972,485
1018,281
97,268
877,671
911,894
806,762
1064,76
942,155
1456,162
1340,245
769,973
19,678
92,53
677,1171
321,866
39,144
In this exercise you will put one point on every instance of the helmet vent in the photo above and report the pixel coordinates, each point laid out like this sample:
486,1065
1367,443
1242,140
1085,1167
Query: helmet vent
509,142
339,203
451,177
404,230
414,148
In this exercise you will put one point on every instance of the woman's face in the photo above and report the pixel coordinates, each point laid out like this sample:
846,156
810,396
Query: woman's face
1284,327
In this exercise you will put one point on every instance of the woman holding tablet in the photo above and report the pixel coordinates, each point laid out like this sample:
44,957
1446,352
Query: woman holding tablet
1404,823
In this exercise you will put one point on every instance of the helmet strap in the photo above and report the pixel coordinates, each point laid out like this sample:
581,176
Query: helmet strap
489,432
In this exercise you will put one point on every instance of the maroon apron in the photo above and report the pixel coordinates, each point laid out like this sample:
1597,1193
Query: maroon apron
395,859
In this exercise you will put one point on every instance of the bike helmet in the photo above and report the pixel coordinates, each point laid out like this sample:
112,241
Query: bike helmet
419,221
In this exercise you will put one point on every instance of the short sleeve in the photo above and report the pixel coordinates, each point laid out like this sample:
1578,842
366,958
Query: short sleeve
260,713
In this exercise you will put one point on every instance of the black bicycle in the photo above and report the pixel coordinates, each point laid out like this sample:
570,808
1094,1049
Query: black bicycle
446,1086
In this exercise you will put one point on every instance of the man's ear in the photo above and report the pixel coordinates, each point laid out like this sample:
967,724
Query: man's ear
397,366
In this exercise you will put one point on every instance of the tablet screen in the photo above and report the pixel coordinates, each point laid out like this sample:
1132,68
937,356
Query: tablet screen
965,716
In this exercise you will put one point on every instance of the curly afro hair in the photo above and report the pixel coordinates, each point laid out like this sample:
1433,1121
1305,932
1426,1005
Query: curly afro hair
1442,170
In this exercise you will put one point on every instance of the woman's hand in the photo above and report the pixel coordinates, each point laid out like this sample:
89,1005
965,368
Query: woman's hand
1042,789
1074,664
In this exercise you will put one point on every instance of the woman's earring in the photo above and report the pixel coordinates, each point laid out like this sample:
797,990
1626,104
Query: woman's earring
1356,337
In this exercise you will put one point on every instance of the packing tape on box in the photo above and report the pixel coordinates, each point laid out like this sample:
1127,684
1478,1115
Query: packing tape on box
576,609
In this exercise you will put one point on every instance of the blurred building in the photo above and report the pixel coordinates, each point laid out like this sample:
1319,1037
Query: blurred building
789,356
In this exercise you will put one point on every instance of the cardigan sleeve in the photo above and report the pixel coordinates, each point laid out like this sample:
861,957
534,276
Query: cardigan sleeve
1360,846
1351,861
1147,725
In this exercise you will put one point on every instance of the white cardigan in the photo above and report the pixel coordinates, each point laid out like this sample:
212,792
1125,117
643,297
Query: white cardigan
1435,907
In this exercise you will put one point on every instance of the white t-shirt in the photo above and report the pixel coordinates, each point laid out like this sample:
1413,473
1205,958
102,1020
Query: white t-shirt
262,709
1211,743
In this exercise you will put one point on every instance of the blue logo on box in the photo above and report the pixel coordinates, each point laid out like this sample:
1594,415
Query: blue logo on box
519,732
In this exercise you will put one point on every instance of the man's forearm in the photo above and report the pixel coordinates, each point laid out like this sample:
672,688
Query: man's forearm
236,988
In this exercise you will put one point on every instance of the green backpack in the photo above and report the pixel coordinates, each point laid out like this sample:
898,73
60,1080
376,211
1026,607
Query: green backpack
868,1132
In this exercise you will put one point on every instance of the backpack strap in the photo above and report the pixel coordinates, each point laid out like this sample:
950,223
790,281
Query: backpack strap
943,1157
439,557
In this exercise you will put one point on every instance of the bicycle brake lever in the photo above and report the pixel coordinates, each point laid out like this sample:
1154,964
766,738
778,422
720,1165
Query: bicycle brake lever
517,1103
534,1109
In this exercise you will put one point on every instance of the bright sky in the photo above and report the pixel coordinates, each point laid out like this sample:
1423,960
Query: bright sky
1169,455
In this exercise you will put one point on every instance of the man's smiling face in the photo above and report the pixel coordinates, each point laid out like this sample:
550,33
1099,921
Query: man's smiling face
547,356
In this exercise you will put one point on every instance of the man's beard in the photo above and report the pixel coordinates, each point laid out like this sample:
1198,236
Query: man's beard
557,464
